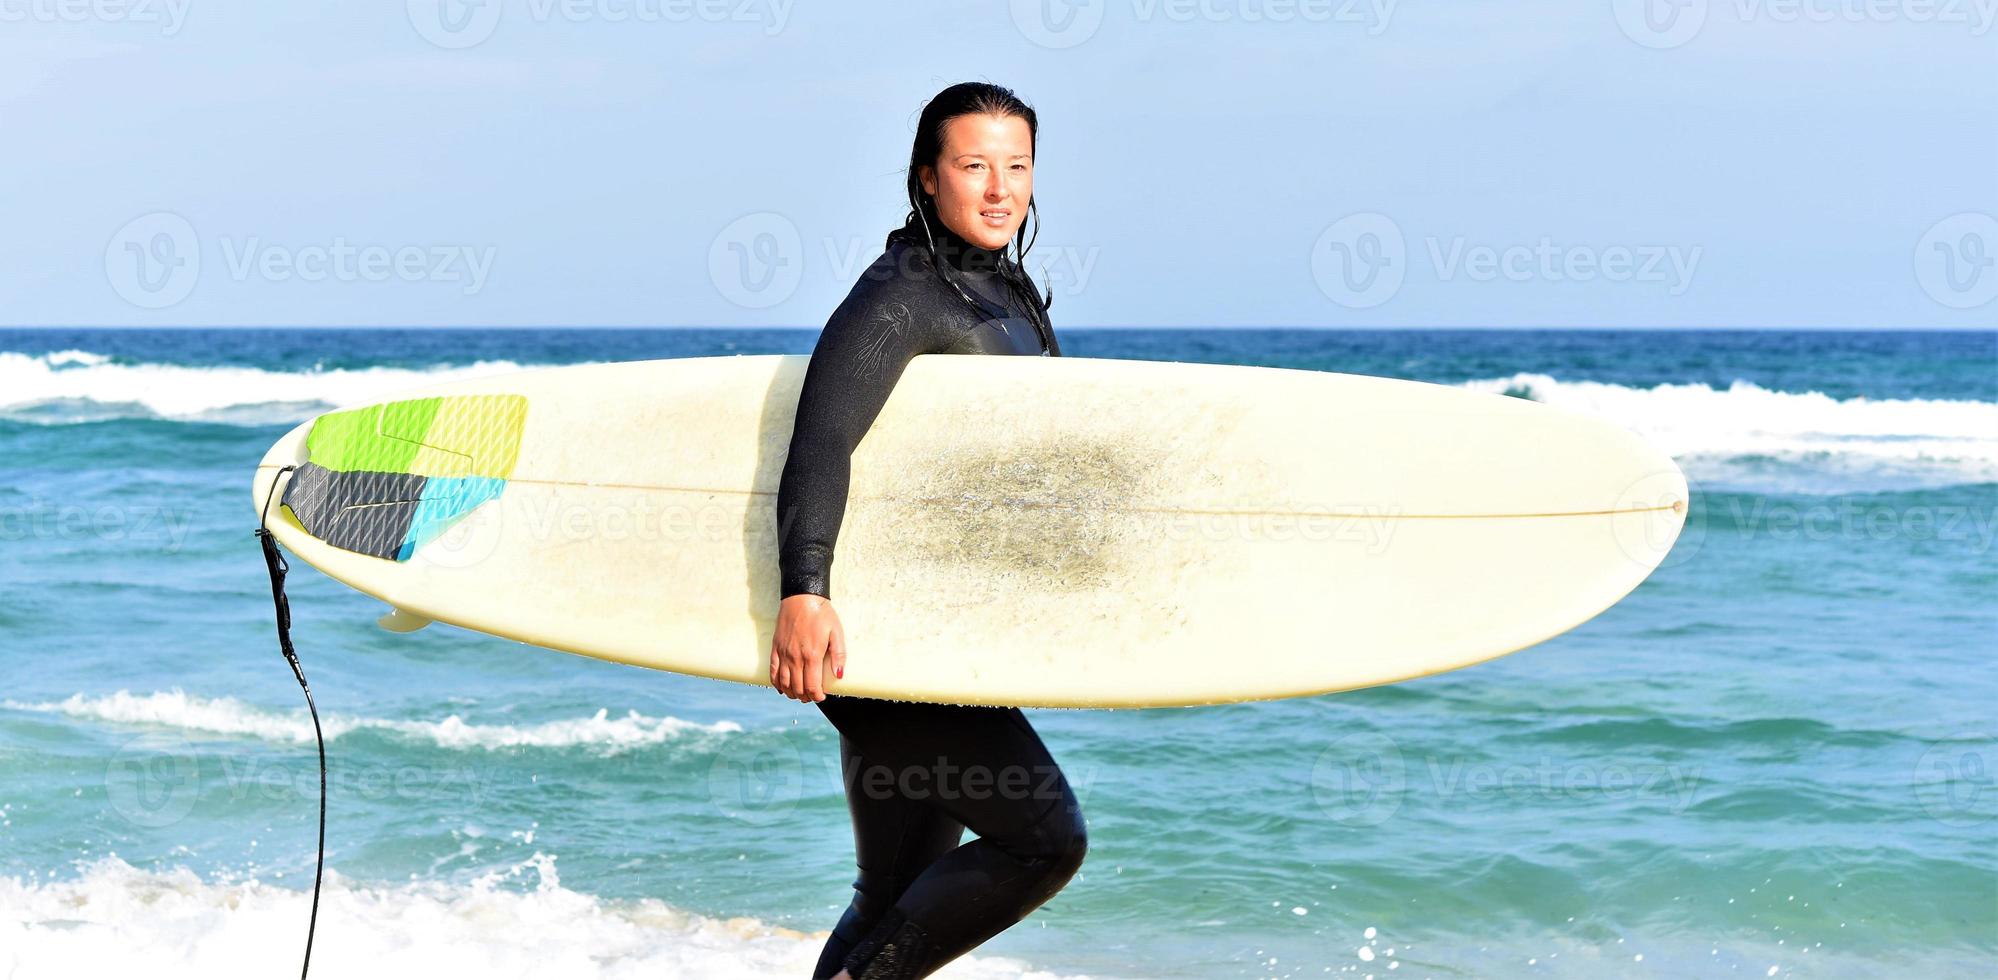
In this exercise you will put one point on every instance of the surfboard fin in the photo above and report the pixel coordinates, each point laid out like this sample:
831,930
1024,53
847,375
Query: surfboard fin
398,621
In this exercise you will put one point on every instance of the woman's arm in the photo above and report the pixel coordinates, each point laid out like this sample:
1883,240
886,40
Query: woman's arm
860,355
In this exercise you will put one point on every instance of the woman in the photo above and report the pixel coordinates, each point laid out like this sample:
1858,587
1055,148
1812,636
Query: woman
944,285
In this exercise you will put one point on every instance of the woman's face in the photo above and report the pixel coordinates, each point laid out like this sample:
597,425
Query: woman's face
983,178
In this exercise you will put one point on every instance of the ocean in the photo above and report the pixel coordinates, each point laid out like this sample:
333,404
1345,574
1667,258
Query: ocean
1775,758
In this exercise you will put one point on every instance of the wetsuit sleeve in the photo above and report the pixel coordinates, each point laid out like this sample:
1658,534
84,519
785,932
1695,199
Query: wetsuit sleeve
860,355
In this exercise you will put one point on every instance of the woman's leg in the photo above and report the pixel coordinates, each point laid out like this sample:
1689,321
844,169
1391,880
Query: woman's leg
987,769
894,839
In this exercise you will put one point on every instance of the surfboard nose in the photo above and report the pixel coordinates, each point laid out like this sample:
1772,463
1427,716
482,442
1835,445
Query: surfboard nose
289,450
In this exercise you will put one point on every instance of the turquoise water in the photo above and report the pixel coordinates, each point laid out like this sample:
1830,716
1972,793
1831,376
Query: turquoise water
1776,754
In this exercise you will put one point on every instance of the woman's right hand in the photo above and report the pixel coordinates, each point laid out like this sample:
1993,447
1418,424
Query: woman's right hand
808,649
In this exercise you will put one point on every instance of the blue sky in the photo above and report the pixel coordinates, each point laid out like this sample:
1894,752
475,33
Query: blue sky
1202,162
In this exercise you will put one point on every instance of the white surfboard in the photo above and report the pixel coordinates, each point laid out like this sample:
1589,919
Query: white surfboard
1019,531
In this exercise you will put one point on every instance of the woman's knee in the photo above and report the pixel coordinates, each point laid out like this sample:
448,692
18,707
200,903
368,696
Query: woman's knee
1073,844
1061,844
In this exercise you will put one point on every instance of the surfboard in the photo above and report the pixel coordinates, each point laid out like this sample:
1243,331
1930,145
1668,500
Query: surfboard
1061,532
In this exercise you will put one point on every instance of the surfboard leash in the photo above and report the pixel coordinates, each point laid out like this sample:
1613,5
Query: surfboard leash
274,561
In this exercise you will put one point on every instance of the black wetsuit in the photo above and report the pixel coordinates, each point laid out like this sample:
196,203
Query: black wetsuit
917,775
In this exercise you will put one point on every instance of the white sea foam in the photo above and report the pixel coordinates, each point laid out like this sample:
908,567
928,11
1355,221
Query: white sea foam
76,385
114,919
1803,440
1741,435
177,709
83,357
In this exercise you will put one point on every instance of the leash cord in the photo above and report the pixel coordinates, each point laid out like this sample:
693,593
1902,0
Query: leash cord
274,561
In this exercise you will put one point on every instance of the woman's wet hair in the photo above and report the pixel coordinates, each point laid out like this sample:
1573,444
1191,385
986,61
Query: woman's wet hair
965,99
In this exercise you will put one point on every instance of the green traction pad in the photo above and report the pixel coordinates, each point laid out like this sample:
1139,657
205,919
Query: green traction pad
387,479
